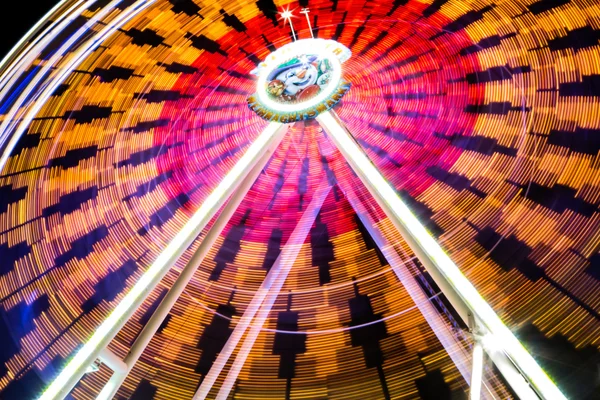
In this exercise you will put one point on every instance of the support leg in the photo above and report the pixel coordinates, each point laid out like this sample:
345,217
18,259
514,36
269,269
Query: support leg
165,306
460,292
268,292
447,337
75,369
477,375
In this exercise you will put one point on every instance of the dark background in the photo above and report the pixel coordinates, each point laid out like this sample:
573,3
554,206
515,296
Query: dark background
24,14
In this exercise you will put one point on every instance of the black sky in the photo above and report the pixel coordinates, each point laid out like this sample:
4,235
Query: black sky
22,16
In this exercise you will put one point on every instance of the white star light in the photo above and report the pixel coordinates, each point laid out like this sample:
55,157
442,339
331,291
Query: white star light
287,15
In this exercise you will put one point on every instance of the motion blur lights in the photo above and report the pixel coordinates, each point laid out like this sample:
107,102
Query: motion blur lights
289,86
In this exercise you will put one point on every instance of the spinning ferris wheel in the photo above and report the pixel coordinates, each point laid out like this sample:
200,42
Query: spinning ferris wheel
314,200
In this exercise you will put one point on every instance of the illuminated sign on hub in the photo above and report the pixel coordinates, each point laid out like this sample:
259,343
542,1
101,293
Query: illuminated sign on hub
300,80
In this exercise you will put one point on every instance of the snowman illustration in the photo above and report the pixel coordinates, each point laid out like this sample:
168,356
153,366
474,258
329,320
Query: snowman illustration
299,79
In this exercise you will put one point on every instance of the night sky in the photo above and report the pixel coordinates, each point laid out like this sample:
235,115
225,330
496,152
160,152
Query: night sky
20,19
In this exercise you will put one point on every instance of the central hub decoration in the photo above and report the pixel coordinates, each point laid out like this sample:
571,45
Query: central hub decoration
300,80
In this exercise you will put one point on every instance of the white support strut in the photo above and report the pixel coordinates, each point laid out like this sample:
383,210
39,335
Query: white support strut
444,333
477,375
262,302
75,369
456,287
112,361
167,303
284,262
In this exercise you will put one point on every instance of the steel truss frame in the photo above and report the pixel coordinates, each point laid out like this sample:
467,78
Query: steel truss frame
517,366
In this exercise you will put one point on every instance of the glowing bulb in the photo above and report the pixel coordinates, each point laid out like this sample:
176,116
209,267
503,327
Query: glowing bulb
287,17
286,14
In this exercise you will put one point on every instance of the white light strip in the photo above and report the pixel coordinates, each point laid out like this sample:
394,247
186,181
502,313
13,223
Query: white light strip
270,286
10,120
285,262
184,238
477,375
34,29
23,60
450,272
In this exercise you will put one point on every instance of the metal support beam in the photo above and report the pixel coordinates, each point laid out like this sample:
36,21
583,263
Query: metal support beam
447,337
269,288
477,375
112,361
165,306
456,287
282,267
105,333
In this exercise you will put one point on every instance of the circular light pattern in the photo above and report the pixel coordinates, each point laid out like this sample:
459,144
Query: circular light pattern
482,115
300,80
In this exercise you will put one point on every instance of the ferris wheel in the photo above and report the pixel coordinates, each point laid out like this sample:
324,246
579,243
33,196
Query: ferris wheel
322,199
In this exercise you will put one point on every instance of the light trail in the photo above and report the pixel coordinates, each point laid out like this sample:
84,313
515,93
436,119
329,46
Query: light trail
11,120
28,54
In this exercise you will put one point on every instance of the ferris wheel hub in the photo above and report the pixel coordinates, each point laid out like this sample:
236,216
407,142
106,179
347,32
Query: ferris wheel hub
300,80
